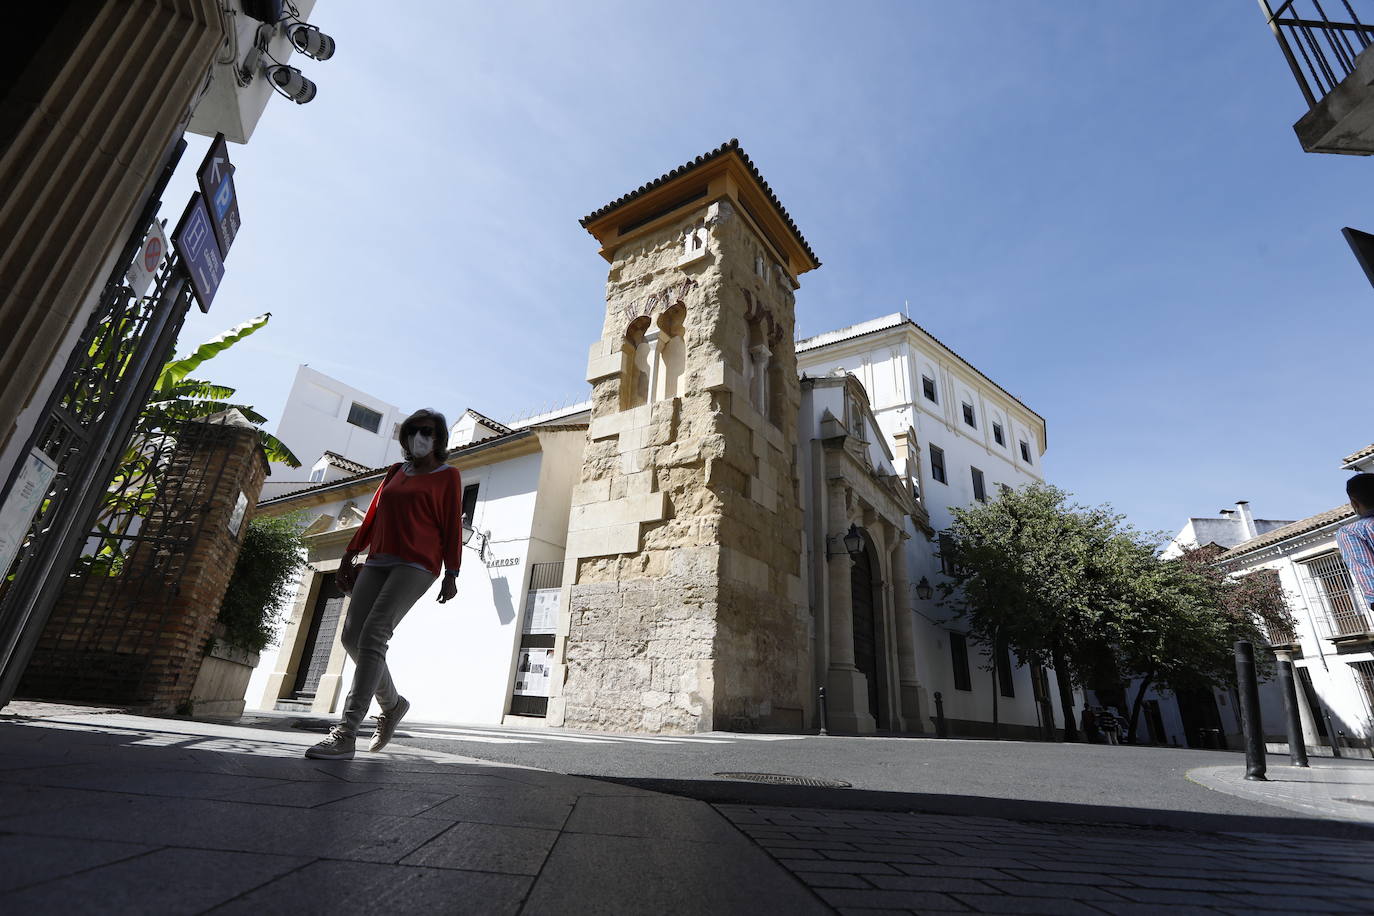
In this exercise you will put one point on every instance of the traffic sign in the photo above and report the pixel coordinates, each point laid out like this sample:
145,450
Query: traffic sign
195,242
216,179
143,270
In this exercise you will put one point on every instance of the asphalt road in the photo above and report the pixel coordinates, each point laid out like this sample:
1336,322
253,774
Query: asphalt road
1080,783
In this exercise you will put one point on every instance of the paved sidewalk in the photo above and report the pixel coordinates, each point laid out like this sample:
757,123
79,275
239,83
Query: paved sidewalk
113,813
866,861
106,812
1328,788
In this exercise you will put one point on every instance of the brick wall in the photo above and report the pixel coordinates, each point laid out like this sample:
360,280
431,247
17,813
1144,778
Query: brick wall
138,638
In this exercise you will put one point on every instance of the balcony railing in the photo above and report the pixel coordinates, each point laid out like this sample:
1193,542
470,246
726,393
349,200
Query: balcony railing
1281,636
1341,610
1320,40
1348,622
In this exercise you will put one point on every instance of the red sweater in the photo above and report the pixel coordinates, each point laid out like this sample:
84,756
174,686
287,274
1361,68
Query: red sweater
419,519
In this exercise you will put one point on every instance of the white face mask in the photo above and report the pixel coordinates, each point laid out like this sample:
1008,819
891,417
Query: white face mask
421,445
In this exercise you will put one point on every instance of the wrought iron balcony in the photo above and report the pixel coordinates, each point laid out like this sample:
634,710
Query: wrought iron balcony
1348,623
1281,636
1324,44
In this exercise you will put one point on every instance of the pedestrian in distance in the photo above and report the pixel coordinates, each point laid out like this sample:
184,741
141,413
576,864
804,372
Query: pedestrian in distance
1089,721
413,529
1356,539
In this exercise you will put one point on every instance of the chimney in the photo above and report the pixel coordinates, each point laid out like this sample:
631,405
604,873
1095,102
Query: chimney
1247,521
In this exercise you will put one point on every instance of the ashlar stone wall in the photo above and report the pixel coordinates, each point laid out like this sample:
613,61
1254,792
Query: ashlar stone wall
684,607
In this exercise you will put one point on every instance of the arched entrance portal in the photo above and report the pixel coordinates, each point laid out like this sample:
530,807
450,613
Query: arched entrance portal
867,645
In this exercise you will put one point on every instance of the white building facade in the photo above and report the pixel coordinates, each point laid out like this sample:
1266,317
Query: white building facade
1331,645
459,661
957,437
323,414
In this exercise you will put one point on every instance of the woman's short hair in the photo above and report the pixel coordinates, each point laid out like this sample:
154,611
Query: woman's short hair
440,432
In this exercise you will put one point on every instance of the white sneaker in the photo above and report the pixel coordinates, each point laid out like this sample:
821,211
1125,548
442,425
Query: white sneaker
338,746
386,724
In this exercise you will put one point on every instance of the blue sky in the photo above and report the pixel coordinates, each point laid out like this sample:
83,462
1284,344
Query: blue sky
1109,214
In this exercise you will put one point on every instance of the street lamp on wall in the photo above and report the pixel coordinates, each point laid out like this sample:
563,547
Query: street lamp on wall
924,590
853,541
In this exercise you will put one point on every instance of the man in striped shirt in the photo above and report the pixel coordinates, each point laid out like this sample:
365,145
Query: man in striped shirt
1356,539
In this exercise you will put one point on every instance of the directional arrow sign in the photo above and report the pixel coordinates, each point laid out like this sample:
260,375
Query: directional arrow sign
195,242
216,179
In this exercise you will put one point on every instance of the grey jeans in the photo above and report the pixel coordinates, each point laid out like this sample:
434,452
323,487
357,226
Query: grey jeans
381,597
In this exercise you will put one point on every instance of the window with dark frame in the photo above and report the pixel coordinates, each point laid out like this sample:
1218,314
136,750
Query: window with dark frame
1025,452
998,436
958,652
969,417
469,503
937,463
928,389
364,417
947,566
980,491
1004,681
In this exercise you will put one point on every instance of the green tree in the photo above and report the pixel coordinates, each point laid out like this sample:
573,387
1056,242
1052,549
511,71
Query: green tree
1043,575
271,554
1188,615
176,397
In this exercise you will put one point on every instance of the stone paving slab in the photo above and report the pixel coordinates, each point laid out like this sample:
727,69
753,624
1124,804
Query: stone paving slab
106,812
869,861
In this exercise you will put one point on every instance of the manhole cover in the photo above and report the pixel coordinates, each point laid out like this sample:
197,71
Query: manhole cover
779,779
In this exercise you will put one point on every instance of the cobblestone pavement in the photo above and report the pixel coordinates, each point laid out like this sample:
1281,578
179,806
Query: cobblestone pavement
865,861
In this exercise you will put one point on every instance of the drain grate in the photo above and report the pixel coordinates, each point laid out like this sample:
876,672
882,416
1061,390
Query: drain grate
780,779
1353,801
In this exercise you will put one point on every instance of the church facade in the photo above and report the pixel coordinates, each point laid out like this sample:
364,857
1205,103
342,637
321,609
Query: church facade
727,529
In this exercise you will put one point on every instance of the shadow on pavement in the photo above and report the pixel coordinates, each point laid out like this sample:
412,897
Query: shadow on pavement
760,795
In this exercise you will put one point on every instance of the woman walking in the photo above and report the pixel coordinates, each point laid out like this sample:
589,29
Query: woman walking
413,528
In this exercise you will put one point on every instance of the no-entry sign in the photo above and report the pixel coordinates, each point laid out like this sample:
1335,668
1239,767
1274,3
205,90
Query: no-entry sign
143,270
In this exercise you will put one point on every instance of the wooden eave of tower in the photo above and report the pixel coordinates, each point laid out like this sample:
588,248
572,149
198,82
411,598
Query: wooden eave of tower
725,173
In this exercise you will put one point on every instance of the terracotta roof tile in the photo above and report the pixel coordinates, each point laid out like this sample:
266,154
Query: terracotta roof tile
347,464
1302,526
1362,453
727,147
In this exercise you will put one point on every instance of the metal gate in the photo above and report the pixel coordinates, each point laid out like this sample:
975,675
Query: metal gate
84,431
116,631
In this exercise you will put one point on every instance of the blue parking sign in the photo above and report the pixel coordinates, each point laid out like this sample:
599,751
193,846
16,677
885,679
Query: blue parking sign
194,239
216,180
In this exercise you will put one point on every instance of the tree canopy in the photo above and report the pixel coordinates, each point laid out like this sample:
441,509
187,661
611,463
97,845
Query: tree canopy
1077,589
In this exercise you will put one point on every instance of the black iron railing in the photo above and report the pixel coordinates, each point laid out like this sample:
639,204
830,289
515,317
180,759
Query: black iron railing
1320,40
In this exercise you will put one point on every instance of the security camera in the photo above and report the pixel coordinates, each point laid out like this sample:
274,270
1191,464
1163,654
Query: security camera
291,83
310,41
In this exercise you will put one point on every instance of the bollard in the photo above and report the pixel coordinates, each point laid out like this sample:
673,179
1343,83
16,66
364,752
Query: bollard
1297,747
941,730
1248,687
825,713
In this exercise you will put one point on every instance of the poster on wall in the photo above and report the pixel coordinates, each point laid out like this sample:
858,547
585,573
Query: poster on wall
532,677
30,489
541,611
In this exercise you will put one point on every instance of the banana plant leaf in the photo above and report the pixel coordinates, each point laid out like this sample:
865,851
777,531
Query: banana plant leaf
178,369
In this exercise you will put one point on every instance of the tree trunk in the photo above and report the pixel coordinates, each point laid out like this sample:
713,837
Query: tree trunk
1061,676
996,728
1135,707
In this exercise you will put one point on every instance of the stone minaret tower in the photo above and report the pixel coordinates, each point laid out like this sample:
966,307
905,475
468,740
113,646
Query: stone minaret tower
684,608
